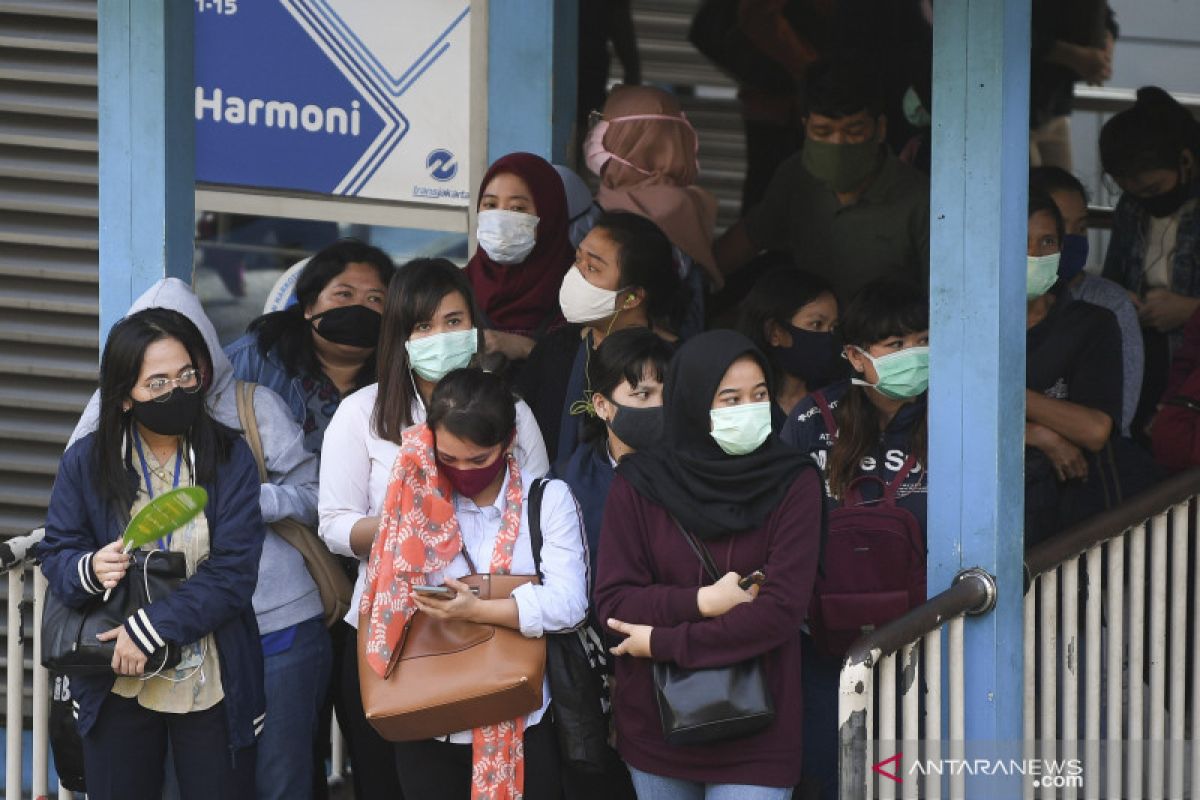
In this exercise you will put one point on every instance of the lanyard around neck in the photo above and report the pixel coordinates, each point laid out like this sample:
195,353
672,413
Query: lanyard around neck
137,442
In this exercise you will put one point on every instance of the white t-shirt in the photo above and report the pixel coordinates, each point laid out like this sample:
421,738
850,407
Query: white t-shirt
1161,234
356,466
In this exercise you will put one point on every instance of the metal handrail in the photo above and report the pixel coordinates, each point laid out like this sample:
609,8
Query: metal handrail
21,550
1110,99
1080,538
970,593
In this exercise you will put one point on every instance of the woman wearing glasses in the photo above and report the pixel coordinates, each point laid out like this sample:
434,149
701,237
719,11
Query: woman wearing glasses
297,652
155,433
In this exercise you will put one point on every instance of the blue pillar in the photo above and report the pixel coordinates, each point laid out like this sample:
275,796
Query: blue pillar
977,312
532,46
147,161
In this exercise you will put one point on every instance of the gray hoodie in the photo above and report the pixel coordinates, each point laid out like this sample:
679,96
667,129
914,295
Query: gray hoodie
286,593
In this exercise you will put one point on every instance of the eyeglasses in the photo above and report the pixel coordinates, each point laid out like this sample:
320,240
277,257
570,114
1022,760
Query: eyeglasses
189,381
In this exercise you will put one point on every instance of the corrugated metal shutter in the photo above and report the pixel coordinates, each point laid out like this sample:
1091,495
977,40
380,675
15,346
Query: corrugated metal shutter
49,277
668,58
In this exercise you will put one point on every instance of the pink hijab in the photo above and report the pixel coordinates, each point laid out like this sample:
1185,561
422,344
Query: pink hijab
665,150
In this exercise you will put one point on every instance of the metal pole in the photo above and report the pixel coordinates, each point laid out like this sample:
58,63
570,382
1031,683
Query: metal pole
147,146
41,693
978,217
14,687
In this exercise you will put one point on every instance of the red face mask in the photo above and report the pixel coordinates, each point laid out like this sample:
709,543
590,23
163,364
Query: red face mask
470,482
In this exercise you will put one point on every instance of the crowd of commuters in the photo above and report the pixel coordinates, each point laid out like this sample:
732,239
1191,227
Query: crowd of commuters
697,476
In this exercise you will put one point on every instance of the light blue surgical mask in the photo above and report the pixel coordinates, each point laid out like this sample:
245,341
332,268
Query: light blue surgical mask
741,429
1041,272
432,357
901,375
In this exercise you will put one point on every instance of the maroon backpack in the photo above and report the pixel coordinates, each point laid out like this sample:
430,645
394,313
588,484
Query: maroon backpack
873,560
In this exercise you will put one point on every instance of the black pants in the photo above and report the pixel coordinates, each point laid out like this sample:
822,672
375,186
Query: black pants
435,770
125,750
371,762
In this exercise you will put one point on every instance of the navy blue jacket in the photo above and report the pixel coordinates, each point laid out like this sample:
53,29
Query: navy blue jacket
216,599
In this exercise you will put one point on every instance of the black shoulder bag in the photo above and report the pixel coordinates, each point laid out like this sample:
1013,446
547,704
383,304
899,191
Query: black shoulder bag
575,664
698,706
69,644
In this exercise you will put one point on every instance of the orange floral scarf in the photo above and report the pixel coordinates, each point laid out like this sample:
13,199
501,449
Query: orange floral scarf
418,535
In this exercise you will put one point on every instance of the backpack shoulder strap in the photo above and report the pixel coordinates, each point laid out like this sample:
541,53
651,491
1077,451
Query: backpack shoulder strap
245,409
893,486
831,425
535,522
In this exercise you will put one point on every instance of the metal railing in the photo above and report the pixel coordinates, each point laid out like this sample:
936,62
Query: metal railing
1135,633
18,573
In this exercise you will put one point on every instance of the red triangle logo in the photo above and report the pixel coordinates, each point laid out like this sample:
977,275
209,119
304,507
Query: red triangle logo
878,767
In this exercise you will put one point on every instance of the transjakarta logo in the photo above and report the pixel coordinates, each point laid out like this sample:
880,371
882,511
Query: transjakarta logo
441,165
1043,773
233,110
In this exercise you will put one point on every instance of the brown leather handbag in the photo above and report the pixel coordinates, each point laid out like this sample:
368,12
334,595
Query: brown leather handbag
449,676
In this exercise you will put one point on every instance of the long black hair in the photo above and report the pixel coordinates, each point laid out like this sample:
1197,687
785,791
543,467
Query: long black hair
623,356
881,309
1152,134
120,366
412,297
474,405
289,333
645,259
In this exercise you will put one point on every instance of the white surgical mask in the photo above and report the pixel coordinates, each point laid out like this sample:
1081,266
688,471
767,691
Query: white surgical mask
507,237
582,302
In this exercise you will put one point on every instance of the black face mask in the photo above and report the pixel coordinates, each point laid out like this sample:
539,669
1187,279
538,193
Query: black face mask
171,417
1167,203
354,326
640,428
811,357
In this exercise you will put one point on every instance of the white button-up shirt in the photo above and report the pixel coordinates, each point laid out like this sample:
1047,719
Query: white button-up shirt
560,602
356,466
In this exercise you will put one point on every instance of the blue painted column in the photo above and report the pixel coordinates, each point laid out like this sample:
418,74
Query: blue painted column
532,69
147,152
977,312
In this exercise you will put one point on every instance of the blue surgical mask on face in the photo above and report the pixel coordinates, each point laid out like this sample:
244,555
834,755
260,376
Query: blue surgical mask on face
1073,256
1041,273
741,429
432,357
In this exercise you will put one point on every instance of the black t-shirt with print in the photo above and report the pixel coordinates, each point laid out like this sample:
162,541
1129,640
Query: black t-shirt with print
1075,354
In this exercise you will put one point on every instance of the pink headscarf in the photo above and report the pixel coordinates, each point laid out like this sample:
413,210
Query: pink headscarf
660,186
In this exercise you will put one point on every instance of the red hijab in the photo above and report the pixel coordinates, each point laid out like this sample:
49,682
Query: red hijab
517,298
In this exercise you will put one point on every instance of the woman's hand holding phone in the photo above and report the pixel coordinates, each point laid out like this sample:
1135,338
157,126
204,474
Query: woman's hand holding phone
718,598
454,600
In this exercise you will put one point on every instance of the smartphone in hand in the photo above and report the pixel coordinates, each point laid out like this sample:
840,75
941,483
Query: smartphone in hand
444,592
755,578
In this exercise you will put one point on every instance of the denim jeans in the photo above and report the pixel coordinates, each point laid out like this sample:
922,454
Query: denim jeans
296,681
659,787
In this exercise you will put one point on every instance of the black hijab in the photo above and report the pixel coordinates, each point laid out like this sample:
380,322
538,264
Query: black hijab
708,491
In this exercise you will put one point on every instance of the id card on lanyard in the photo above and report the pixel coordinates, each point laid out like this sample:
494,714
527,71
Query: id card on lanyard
137,441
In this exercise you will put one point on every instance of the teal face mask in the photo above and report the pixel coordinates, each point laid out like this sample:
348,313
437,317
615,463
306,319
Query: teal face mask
741,429
432,357
1041,272
902,375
